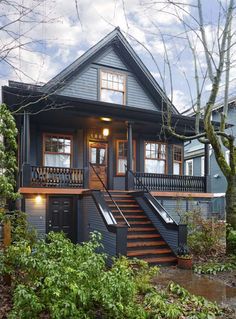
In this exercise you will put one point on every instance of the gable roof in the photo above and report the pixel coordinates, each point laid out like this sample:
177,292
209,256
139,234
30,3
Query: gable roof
126,52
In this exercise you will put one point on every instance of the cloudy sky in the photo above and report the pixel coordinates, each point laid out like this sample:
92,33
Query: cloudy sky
39,38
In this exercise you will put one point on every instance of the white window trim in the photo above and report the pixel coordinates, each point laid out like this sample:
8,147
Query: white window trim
227,156
202,165
187,168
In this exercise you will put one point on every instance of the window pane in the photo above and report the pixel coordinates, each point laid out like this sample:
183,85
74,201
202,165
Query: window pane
121,165
104,75
67,146
60,148
102,154
112,96
57,160
94,155
176,170
162,150
154,166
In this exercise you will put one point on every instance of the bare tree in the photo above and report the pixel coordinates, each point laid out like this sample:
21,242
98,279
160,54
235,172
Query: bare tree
211,53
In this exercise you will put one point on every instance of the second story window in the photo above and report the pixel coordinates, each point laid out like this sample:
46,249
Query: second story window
112,87
57,150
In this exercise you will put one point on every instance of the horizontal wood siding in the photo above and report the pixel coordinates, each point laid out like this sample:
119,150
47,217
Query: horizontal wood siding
111,59
36,213
96,223
83,86
169,235
136,95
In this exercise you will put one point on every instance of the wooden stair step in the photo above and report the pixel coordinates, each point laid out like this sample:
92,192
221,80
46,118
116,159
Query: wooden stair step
160,260
123,206
128,211
134,216
138,236
144,252
119,195
140,222
122,200
142,229
145,243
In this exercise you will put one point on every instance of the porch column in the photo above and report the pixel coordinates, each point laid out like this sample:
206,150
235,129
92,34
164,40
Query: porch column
206,168
26,169
129,177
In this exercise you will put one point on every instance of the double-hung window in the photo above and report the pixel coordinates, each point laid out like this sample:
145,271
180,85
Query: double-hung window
189,167
112,87
57,150
121,156
155,157
177,159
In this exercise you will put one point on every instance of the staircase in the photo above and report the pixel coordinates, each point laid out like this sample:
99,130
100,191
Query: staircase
144,241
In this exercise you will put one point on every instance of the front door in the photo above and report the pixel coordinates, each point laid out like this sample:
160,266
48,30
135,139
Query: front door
98,158
61,215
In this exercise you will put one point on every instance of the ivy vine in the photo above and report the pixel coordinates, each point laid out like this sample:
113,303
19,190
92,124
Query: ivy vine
8,148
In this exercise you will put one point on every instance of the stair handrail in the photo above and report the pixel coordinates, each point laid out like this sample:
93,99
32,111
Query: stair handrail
109,194
169,219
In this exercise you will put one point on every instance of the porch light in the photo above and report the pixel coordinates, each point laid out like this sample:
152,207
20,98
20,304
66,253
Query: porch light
38,199
105,132
105,119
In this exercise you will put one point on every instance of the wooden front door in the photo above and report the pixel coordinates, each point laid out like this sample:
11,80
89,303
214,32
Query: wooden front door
98,157
61,216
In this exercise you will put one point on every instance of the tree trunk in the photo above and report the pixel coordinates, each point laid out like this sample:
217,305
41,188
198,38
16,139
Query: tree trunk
230,198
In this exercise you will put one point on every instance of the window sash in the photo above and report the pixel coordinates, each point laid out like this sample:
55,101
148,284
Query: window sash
155,157
112,82
189,167
57,149
121,159
177,159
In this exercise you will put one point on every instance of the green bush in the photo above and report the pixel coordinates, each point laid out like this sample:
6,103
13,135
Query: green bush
212,268
71,281
20,228
231,240
205,236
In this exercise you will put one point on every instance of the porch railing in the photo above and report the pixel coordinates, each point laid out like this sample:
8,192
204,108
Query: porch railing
162,182
57,177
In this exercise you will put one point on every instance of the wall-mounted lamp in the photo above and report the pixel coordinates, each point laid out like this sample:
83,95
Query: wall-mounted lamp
38,199
105,132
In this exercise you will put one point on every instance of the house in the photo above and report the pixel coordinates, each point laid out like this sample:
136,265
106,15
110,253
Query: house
194,159
93,155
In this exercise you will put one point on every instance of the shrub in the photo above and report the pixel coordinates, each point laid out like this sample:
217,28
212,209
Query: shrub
205,236
231,240
71,281
20,228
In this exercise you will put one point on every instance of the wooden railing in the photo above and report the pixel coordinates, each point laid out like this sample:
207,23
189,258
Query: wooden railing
57,177
162,182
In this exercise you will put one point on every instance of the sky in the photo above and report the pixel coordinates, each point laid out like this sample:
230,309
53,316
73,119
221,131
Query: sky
40,38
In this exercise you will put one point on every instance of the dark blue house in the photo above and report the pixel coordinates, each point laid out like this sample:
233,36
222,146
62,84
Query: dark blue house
93,155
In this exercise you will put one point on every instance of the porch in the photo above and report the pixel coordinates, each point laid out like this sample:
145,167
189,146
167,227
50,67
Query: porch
60,177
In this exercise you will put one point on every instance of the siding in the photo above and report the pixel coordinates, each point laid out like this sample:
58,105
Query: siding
96,223
82,86
36,214
111,59
136,95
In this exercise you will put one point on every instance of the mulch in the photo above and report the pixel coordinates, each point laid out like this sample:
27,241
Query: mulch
5,299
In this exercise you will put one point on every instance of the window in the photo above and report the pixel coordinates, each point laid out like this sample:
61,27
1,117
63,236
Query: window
202,166
121,156
112,87
189,167
227,156
155,157
57,150
177,160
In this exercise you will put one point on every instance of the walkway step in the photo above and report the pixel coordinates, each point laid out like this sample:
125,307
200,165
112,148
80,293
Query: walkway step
160,260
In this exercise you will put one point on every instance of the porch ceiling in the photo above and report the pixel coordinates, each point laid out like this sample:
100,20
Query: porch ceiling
74,111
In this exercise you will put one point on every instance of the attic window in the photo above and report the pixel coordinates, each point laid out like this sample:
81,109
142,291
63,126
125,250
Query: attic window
112,87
